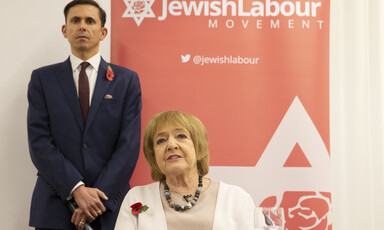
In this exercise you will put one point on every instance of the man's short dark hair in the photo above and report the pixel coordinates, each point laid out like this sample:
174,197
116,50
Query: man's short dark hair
102,14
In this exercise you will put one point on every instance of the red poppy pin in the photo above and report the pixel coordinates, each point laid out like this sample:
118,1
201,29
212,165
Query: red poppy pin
110,75
138,208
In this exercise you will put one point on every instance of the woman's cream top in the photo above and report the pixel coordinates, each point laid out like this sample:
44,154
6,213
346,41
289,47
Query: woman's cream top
199,216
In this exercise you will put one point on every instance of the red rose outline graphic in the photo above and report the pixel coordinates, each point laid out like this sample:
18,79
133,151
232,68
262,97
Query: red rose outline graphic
138,7
304,210
308,215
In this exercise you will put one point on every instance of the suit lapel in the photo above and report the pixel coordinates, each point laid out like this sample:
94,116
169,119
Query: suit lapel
65,77
101,87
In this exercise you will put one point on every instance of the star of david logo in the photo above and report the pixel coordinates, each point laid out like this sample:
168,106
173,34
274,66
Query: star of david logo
138,10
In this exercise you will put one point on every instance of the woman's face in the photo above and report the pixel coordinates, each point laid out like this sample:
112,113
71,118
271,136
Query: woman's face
174,151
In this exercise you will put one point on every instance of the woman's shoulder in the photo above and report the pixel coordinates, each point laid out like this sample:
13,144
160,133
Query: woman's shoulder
147,194
230,199
230,190
140,189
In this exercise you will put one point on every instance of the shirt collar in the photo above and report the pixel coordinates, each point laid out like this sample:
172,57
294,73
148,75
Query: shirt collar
93,61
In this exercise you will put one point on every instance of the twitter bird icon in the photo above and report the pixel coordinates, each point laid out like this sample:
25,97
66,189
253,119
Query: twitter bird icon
185,58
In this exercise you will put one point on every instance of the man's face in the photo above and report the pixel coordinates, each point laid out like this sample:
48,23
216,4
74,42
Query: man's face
83,30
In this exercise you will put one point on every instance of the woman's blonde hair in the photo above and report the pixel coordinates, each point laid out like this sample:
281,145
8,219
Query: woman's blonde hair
192,124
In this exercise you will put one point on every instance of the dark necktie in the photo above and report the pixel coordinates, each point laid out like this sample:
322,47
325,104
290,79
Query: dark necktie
84,91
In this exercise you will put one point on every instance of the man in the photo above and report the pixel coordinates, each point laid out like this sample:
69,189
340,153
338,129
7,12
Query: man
83,129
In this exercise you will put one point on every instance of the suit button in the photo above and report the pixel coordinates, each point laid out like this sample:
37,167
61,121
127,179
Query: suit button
85,146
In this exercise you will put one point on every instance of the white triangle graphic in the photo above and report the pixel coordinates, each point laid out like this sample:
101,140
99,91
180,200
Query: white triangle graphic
269,177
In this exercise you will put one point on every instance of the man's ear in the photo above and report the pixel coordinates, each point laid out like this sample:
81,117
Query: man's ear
64,30
104,32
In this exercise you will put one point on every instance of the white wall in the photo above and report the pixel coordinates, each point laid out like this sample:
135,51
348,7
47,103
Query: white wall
30,38
357,115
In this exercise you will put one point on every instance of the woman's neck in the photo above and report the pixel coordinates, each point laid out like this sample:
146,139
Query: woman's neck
185,185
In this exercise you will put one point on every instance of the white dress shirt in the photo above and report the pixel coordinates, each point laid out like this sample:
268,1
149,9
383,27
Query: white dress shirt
91,71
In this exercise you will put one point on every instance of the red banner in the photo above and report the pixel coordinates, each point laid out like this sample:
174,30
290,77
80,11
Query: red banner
256,73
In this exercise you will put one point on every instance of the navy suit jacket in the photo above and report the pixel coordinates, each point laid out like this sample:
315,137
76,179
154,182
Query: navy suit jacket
103,153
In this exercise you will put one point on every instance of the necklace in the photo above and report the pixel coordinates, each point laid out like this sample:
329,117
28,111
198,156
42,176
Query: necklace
190,204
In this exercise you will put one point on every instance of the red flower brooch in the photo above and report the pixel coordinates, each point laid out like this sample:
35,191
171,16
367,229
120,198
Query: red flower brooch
138,208
110,75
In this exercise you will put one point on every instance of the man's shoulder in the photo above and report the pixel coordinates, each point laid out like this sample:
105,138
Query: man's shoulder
122,69
54,67
122,74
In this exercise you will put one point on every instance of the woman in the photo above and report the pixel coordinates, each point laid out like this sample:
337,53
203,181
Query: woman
176,148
